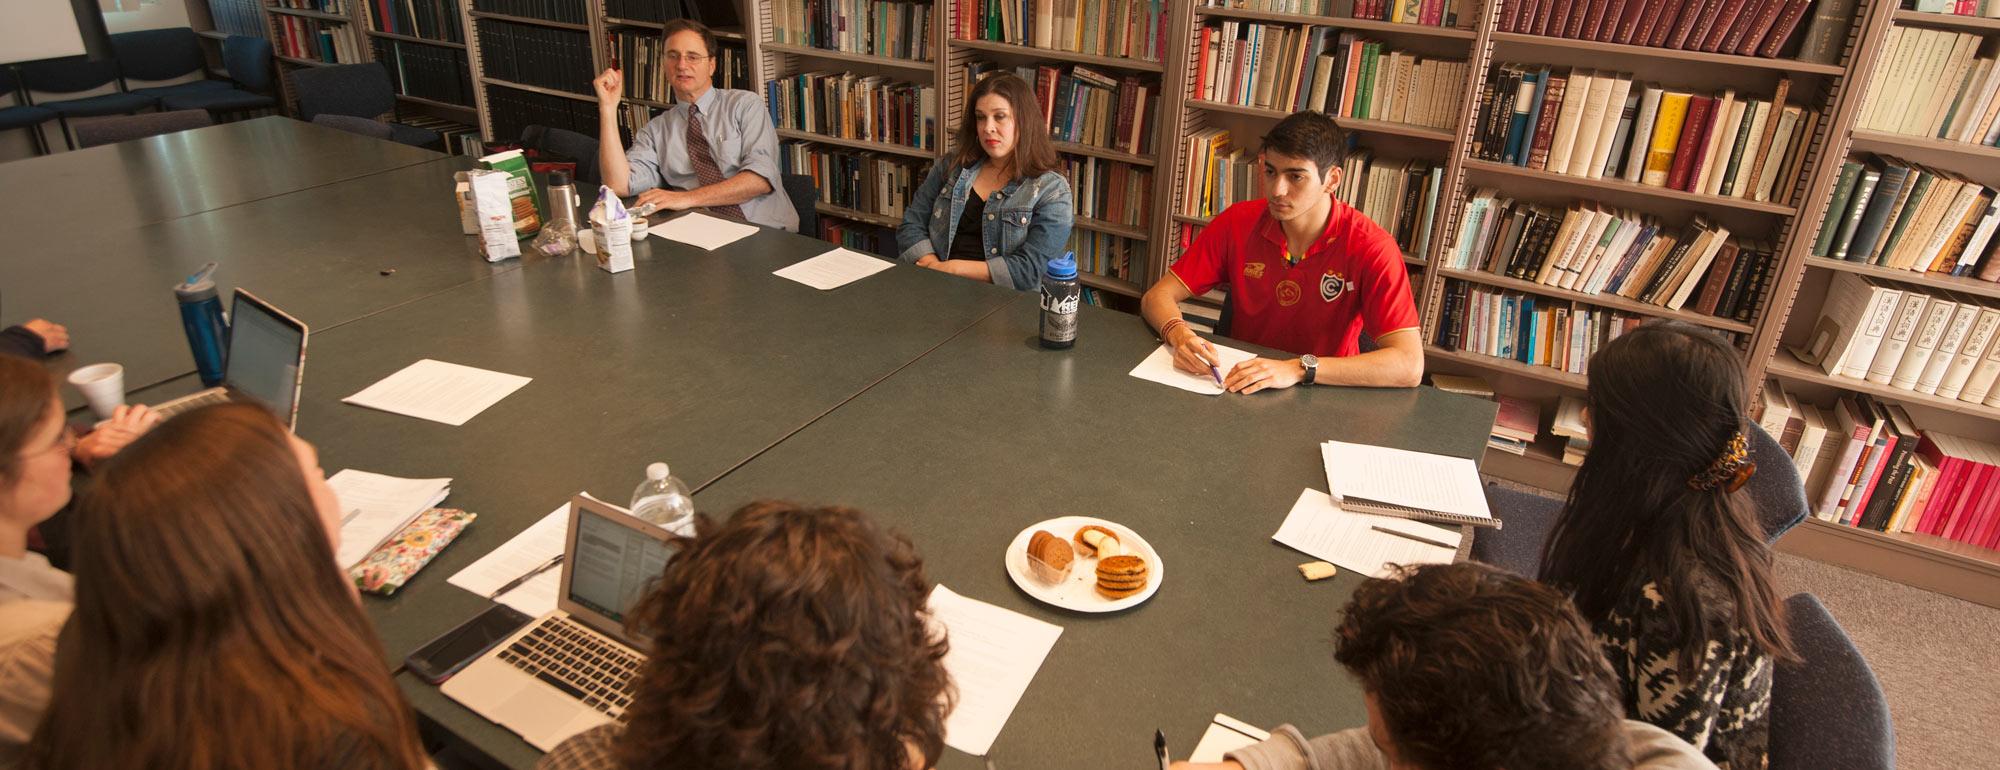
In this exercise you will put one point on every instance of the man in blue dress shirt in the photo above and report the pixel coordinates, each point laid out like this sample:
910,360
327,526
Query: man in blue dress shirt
714,149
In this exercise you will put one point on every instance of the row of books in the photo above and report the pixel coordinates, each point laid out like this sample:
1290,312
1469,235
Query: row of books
868,182
561,11
1893,213
303,38
1934,342
431,19
1517,424
1431,13
427,71
1987,8
237,17
1110,191
1219,174
1084,105
459,138
716,14
642,54
1592,249
898,30
1135,29
512,110
539,56
1742,27
1867,465
1527,329
1399,195
632,116
859,236
1286,68
1933,83
1105,254
1595,124
335,7
849,106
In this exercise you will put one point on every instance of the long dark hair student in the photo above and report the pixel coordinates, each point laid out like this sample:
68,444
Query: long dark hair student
212,627
1034,154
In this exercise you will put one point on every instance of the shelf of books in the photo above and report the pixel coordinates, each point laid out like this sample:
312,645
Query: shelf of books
421,43
1882,375
852,89
311,33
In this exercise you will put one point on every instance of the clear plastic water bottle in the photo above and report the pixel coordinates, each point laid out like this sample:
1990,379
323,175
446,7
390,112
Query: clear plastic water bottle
662,499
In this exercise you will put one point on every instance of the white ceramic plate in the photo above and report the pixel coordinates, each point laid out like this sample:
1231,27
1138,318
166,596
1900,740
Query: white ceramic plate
1079,591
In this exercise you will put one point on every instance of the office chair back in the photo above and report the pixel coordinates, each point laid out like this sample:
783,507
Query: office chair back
805,197
360,90
1827,709
67,75
157,54
248,60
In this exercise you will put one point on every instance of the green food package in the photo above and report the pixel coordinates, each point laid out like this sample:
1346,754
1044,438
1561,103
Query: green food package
520,188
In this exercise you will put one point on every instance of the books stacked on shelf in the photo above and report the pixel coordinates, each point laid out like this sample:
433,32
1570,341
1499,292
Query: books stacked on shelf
1289,68
1985,8
1130,29
1933,83
718,15
1532,330
1104,254
1592,249
1868,465
1742,27
880,241
1570,426
1219,175
868,182
896,30
1109,191
536,56
426,71
632,116
1934,343
642,54
1515,426
1594,125
1430,13
1085,106
1399,195
1201,317
1892,213
335,7
846,105
237,17
430,19
302,38
559,11
513,110
459,138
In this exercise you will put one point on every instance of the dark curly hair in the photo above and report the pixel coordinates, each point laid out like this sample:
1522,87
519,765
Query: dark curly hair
1475,667
788,637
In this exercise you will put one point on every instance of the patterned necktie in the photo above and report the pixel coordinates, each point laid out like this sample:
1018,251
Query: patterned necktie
705,170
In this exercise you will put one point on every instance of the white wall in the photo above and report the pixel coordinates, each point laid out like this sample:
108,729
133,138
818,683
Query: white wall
166,13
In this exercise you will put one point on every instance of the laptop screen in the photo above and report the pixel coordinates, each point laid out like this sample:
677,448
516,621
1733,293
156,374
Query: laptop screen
264,355
613,565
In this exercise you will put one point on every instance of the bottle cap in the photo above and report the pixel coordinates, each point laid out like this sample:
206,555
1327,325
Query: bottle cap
197,287
656,472
559,178
1064,267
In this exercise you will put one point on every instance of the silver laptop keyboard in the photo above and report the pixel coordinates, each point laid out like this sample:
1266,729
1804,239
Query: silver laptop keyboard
193,402
577,661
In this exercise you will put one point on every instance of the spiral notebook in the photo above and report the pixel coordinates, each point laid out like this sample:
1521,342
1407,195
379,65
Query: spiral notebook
1405,484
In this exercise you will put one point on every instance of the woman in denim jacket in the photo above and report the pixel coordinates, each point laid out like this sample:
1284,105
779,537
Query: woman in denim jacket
997,210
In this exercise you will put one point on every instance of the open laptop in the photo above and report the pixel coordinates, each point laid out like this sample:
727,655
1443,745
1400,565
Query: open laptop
570,669
266,362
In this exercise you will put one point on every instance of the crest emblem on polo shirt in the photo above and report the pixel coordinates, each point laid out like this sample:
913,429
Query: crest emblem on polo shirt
1253,270
1332,285
1289,293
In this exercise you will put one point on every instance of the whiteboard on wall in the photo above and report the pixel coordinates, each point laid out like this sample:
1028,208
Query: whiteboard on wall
39,29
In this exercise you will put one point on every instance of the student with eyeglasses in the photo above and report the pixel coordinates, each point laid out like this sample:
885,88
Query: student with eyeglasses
715,149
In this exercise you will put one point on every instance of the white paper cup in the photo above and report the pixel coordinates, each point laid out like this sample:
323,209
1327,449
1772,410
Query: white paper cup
103,385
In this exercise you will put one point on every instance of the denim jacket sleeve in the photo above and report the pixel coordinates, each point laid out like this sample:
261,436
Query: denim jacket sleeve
913,238
1048,234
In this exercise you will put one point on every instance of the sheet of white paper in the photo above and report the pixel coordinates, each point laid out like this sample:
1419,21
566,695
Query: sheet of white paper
438,391
833,269
995,653
702,231
374,507
1159,367
1406,478
1318,527
1225,734
537,544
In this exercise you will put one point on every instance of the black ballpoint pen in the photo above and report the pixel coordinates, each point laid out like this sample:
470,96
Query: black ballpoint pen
525,577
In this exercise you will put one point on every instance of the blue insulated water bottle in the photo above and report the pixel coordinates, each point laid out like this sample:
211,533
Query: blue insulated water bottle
201,317
1060,296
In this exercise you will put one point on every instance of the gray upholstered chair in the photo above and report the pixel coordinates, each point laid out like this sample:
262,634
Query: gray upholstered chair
124,128
358,90
1776,490
353,125
248,60
567,145
1827,709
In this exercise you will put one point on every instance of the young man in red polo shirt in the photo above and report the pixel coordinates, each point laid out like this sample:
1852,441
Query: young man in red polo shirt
1307,274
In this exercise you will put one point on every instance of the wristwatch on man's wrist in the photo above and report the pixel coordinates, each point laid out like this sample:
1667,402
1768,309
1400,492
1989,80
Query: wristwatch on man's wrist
1311,364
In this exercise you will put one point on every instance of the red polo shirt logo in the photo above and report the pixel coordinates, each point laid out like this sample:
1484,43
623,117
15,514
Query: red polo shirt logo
1288,293
1332,285
1253,270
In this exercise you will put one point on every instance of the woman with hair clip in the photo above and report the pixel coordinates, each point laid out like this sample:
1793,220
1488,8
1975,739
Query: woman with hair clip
212,628
1664,555
787,637
996,210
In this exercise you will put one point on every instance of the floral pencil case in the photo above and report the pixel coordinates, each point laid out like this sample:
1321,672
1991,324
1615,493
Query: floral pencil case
397,560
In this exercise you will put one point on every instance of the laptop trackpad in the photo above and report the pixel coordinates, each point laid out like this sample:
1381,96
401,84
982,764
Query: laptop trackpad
537,712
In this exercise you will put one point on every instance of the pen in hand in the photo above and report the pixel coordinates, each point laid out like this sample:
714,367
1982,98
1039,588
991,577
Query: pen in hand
526,576
1160,748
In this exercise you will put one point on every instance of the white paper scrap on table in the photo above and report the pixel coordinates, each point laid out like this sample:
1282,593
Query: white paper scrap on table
374,507
1159,367
702,231
995,653
438,391
833,269
1319,528
1226,734
537,544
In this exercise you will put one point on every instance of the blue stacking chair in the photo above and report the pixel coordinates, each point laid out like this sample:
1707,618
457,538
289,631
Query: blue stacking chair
23,115
76,74
154,55
248,60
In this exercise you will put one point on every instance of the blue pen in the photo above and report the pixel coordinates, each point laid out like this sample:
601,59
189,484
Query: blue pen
1217,373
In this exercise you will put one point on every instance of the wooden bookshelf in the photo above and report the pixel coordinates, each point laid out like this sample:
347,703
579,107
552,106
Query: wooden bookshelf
879,220
1786,366
296,61
1585,187
887,62
1107,154
856,144
1928,562
1517,45
1387,28
525,20
1927,150
1974,24
1051,54
537,89
321,15
1101,226
1412,131
436,104
1961,284
414,39
1604,300
1509,367
1106,283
